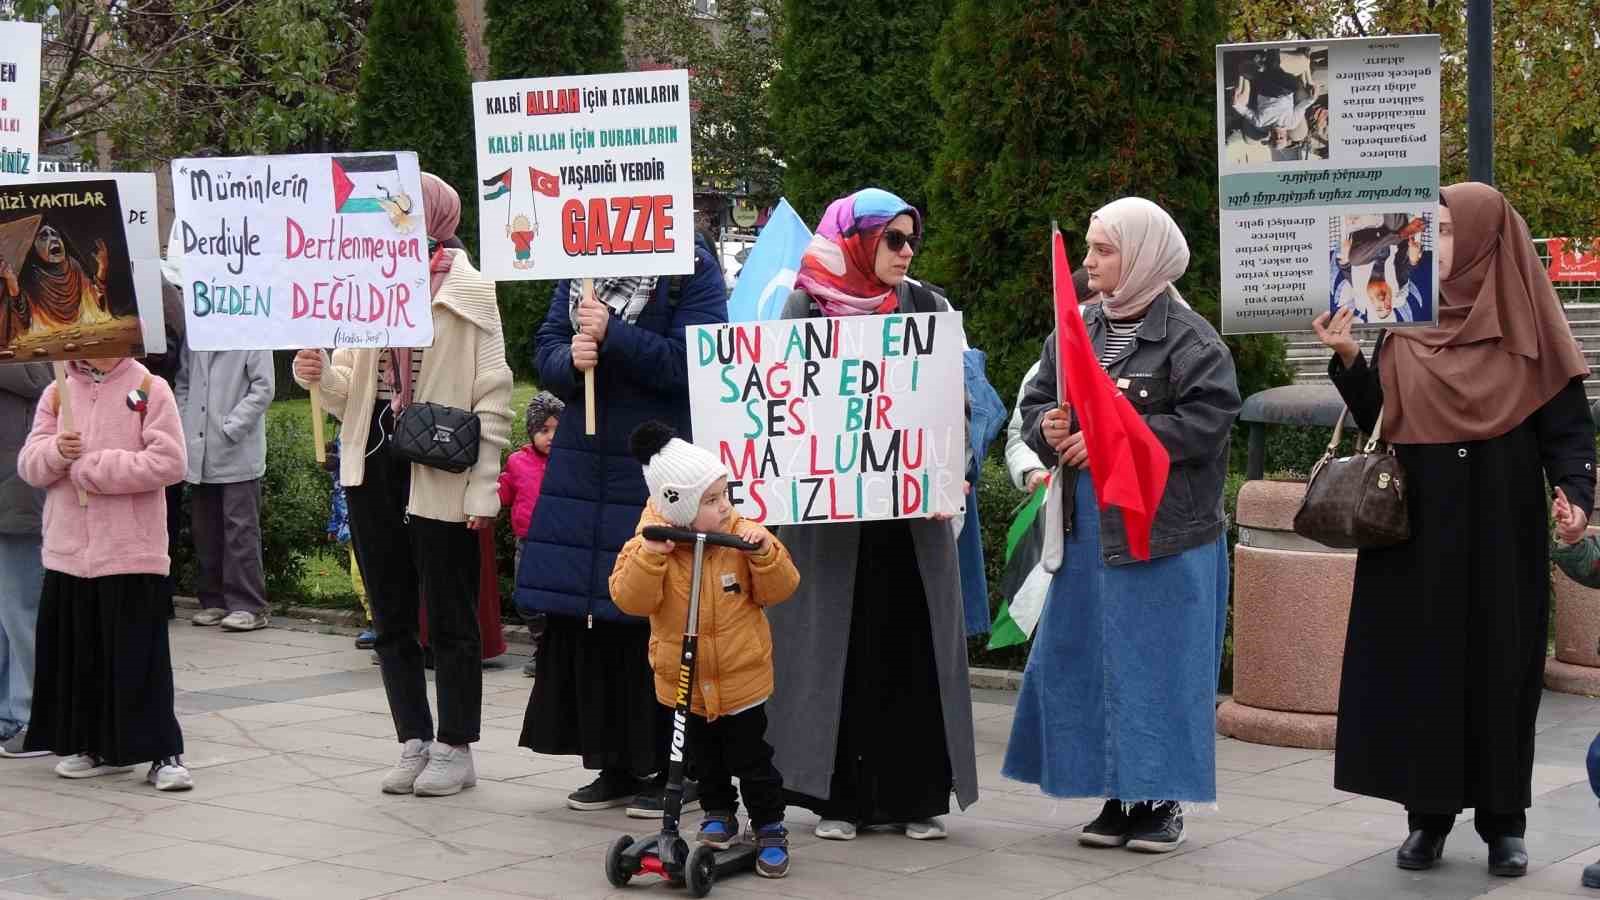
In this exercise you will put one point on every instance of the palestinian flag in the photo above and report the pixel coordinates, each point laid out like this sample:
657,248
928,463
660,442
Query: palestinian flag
1025,581
498,185
360,182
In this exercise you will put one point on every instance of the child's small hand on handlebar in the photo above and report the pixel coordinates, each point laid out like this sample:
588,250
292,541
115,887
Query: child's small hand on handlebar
751,533
661,547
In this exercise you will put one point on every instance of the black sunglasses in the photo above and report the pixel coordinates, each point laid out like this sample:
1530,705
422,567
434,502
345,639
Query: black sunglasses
897,240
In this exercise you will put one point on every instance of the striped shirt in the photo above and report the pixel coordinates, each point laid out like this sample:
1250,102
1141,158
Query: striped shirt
385,393
1119,336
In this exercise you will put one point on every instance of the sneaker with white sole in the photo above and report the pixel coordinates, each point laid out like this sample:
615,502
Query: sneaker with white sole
208,617
13,748
84,765
449,770
927,830
170,774
413,759
242,620
836,830
1159,829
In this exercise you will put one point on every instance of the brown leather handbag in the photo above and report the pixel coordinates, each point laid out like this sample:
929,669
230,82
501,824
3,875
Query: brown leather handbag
1358,501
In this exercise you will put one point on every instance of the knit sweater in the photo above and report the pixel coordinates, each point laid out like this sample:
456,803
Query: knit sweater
127,462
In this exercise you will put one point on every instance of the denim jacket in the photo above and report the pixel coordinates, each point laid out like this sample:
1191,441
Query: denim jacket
1179,375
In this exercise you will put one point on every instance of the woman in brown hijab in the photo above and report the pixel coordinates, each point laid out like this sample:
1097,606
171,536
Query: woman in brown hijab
1444,659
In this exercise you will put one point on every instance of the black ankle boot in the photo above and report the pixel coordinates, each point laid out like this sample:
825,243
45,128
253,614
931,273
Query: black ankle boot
1420,851
1508,857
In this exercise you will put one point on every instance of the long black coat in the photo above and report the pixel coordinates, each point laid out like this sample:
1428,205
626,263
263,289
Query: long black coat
1444,659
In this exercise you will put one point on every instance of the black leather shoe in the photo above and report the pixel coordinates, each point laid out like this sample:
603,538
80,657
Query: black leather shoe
1508,857
1420,851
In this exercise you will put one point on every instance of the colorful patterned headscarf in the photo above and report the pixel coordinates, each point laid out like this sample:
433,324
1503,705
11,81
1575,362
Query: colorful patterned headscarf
838,267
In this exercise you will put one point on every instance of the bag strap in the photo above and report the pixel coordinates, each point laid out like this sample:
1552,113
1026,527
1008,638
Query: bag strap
1377,432
1338,432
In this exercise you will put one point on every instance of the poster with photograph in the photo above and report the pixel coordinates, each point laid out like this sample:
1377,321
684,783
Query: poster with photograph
136,192
19,100
834,419
585,176
66,280
293,252
1328,166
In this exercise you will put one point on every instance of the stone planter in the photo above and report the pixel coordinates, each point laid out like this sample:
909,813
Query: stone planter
1291,606
1575,668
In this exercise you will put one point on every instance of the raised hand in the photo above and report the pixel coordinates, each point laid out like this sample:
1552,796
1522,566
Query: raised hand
1334,333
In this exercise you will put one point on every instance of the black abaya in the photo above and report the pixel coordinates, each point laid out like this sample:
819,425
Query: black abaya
594,696
1444,658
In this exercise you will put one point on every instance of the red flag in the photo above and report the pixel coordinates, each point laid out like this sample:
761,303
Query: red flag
545,183
1126,461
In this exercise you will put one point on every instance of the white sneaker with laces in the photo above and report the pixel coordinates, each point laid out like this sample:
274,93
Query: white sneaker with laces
170,775
82,765
413,759
449,770
244,621
836,830
926,830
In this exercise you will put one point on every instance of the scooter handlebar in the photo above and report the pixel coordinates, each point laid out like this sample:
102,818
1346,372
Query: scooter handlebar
685,536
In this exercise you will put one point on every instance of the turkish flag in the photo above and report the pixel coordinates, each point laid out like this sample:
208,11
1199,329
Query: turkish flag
545,183
1126,461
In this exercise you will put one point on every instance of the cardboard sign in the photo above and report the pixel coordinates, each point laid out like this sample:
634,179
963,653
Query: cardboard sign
585,176
1328,162
19,100
292,252
136,191
1573,265
857,418
66,280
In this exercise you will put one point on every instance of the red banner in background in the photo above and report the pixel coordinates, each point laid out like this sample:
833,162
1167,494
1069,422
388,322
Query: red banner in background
1567,265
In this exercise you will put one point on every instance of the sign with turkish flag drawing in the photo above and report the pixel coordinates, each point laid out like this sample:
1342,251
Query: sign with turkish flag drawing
585,176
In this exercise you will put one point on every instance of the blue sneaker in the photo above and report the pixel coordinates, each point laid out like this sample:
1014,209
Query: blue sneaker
719,830
367,639
773,861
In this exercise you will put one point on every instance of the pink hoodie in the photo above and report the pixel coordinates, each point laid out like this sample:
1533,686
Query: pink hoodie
127,462
520,484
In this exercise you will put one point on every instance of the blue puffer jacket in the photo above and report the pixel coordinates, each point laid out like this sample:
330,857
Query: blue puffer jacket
594,489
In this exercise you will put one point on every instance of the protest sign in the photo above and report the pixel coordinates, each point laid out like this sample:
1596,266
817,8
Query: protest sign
1328,162
136,192
19,100
66,280
585,176
857,418
293,252
1573,264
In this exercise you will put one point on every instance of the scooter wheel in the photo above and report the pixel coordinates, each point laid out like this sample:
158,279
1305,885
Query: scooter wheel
616,872
700,870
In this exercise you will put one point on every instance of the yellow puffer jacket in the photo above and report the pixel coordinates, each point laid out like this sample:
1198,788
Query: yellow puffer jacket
734,670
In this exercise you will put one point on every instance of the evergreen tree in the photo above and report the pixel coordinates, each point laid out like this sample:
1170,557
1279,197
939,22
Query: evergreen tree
535,40
852,105
415,94
1051,109
554,37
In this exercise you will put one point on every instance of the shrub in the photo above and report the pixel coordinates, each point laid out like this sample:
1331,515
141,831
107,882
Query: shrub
295,497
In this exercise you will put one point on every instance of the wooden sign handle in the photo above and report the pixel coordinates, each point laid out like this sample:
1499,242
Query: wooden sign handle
64,415
319,446
588,377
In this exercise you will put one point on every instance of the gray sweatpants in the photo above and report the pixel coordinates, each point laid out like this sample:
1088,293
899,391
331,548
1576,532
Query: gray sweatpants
227,545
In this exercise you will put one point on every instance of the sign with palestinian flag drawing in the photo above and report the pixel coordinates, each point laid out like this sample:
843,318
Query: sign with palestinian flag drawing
315,250
585,176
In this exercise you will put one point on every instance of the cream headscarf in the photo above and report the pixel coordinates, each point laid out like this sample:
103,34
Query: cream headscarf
1154,254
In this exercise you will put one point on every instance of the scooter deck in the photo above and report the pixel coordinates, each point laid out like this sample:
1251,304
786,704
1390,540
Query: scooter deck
741,857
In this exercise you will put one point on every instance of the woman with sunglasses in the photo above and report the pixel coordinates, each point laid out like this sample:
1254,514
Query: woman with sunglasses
871,715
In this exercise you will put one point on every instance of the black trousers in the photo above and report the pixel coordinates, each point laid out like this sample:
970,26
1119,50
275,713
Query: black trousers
736,747
1489,825
397,560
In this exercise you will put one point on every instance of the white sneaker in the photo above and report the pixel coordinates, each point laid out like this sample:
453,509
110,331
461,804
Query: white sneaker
15,747
244,621
82,765
207,617
836,830
170,775
449,770
927,830
413,759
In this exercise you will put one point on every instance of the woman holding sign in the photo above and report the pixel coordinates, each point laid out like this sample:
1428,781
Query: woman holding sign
1118,699
1444,659
593,690
871,716
414,527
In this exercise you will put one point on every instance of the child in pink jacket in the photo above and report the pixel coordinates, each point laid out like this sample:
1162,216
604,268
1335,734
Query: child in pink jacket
103,690
523,477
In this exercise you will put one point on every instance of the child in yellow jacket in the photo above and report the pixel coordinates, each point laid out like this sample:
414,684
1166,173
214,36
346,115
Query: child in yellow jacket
727,726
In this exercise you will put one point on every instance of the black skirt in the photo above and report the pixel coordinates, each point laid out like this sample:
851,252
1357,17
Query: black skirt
892,764
594,696
103,675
